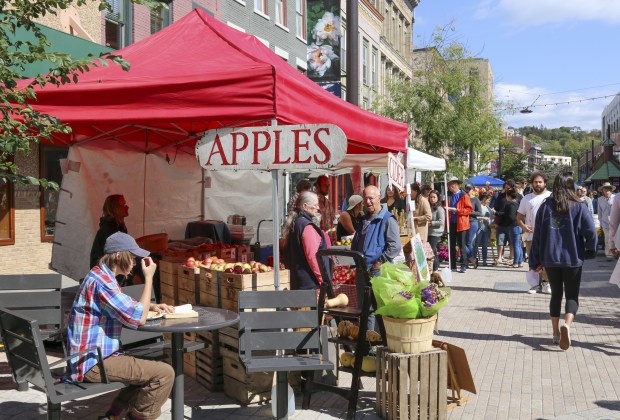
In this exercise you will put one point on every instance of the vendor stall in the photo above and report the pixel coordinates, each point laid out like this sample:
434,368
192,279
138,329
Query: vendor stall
134,132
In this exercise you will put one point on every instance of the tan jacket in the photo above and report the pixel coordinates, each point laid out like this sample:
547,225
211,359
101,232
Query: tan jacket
422,208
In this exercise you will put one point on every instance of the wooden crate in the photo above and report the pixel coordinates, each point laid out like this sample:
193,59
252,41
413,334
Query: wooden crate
189,364
247,389
209,288
231,284
227,254
209,364
412,386
168,278
187,285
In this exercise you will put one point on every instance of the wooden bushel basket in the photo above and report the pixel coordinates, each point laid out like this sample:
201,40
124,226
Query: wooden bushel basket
409,335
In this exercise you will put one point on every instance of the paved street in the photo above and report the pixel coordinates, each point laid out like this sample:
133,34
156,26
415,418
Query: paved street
506,334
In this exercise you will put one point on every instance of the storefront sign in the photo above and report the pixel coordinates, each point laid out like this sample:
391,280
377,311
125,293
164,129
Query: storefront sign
396,172
278,147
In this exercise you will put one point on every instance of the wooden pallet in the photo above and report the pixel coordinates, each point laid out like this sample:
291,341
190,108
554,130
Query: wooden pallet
231,284
243,387
412,386
209,288
168,277
209,364
188,285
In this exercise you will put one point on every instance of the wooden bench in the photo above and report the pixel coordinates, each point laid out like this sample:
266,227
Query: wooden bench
26,357
279,332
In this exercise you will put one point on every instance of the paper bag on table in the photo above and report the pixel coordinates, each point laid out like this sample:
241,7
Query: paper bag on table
182,311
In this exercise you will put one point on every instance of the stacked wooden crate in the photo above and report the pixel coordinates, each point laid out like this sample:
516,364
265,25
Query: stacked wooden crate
188,285
189,358
168,277
209,287
243,387
231,284
209,372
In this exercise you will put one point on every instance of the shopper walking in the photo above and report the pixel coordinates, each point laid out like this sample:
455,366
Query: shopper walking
509,218
437,226
605,204
564,236
526,217
470,247
484,228
422,213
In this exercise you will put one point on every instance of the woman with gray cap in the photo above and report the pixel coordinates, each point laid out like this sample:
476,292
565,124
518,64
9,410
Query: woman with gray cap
99,312
348,220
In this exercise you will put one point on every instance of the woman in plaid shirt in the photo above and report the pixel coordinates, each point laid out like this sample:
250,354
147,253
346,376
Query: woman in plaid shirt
100,310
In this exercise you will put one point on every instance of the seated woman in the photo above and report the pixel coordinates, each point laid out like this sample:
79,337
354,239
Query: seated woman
348,220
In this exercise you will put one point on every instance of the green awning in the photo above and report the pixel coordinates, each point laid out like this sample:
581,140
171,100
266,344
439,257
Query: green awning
61,42
609,169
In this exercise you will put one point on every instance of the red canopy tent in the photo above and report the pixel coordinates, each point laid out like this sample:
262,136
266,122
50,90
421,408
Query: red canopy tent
134,132
200,74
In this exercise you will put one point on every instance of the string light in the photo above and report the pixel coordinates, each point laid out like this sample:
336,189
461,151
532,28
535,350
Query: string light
564,102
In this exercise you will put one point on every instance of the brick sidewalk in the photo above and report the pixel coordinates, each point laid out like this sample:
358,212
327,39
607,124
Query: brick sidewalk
506,334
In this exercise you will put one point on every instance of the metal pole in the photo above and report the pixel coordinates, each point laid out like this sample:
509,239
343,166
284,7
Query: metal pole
353,57
276,223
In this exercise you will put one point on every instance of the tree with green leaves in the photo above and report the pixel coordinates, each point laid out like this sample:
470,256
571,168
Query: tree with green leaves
21,125
447,102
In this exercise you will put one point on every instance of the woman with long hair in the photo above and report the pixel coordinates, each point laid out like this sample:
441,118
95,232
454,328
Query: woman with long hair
393,199
484,228
115,209
438,222
304,237
564,236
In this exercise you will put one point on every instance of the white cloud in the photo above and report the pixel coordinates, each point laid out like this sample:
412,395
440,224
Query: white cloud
540,12
550,109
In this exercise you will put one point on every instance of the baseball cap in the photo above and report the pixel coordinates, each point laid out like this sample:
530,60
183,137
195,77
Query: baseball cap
120,242
469,186
354,200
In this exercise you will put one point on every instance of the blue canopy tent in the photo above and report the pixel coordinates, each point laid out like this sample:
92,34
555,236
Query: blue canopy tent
481,181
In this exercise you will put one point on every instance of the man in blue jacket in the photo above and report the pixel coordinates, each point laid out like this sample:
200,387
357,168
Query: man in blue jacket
378,240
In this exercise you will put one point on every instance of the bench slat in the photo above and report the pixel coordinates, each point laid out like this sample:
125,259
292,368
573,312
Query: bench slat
29,299
277,299
287,363
30,281
286,340
278,319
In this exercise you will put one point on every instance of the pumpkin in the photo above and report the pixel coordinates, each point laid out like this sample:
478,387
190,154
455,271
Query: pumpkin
347,359
369,364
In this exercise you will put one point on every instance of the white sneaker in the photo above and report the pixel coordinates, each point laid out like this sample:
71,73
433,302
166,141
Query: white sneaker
535,289
546,288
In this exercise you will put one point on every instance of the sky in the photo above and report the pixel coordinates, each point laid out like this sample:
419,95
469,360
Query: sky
542,52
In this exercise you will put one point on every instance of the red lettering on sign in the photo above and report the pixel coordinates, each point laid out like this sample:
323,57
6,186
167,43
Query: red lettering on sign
257,148
217,150
276,140
236,147
298,144
322,146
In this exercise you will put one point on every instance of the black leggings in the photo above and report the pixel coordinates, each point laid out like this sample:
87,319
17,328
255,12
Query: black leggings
564,280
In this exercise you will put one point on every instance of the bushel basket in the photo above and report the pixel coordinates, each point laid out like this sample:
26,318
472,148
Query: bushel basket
409,335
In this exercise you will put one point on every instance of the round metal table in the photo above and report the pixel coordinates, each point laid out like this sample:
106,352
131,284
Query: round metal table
208,319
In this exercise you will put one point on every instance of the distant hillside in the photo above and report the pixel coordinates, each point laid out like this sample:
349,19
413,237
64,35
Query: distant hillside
563,141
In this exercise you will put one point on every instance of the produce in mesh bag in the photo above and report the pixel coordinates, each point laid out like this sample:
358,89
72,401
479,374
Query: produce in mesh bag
347,359
373,336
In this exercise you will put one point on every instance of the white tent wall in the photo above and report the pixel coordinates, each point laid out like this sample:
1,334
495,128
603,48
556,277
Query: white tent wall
162,197
247,193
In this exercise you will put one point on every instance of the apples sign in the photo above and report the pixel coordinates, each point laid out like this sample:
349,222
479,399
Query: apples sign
275,147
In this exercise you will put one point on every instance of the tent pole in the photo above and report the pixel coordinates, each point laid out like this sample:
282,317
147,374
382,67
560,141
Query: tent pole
275,174
445,187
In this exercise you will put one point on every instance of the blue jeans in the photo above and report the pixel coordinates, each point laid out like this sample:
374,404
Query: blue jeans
482,240
470,246
515,242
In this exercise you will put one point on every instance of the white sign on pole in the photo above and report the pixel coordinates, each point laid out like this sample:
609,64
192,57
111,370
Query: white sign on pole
306,146
396,172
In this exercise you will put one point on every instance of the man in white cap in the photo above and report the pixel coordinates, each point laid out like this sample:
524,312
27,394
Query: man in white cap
605,204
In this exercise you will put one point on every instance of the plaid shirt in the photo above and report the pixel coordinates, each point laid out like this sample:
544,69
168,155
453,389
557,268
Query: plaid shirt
99,312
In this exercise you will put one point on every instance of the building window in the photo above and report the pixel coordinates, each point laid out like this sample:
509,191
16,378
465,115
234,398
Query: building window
281,12
365,62
160,19
260,6
7,213
114,25
365,103
373,68
50,169
300,18
343,49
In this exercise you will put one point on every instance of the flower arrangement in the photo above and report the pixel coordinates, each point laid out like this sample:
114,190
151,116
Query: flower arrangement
442,252
399,295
